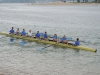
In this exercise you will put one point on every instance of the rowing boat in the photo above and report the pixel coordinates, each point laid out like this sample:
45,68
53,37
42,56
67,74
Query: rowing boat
49,42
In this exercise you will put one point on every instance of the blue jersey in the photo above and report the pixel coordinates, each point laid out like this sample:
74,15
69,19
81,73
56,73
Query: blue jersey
77,43
63,39
55,37
45,36
11,31
37,35
23,33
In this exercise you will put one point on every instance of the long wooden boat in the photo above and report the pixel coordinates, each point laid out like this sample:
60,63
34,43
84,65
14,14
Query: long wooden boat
49,42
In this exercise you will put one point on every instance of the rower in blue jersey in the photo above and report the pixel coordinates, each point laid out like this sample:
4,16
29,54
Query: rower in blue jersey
45,36
55,38
64,40
23,32
37,35
12,31
77,43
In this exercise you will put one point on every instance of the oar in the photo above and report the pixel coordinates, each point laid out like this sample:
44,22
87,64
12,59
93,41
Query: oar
41,34
11,39
23,43
68,38
84,41
87,42
47,46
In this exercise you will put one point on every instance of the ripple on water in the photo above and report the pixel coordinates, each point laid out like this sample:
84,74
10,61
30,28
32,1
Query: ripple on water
72,21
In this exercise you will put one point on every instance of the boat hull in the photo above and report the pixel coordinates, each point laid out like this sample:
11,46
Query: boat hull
49,42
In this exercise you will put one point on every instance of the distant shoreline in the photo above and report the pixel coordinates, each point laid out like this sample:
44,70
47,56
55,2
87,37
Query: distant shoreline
63,3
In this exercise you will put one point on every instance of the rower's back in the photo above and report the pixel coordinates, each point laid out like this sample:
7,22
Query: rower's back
77,43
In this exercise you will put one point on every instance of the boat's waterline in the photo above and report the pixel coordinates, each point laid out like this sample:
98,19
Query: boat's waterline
49,42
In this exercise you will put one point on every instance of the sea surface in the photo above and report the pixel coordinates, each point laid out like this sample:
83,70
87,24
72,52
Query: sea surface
76,21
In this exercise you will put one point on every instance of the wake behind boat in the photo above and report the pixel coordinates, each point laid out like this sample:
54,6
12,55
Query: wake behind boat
49,42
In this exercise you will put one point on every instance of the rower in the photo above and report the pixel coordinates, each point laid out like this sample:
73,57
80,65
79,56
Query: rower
45,36
55,38
77,43
63,40
23,33
29,34
37,35
12,31
17,32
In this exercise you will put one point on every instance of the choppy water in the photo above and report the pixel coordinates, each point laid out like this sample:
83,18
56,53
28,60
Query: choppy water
73,21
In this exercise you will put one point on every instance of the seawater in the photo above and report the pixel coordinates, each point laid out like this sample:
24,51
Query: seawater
73,21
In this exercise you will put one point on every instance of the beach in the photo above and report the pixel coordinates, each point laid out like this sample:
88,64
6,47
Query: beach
64,3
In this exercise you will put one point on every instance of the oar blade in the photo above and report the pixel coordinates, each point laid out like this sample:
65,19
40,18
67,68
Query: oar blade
69,39
41,34
41,49
23,43
11,40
